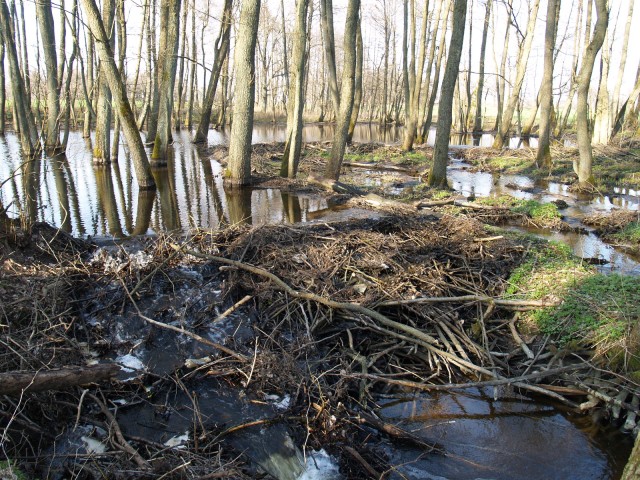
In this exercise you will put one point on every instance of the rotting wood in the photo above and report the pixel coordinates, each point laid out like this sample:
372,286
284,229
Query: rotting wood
14,383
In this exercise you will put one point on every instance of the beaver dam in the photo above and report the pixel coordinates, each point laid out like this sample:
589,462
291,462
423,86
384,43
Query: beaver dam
292,351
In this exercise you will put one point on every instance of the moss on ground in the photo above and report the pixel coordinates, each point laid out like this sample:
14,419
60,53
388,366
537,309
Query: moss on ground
538,211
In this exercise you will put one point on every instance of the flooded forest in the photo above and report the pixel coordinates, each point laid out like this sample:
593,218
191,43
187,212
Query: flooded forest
319,239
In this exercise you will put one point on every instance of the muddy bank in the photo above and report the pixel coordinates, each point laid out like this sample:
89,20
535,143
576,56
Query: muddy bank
246,350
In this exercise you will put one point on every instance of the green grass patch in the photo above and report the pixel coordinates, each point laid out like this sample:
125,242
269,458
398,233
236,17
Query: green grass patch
629,234
537,210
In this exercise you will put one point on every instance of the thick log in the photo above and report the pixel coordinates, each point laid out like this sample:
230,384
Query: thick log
13,383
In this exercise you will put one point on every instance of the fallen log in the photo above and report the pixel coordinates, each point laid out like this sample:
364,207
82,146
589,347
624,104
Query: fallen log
14,383
334,185
380,166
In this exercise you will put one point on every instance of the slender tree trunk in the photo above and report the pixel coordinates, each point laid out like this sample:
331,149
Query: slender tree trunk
92,93
121,28
3,95
585,176
426,125
46,27
623,59
67,88
543,158
415,81
438,173
295,107
169,22
523,58
626,106
221,53
326,22
183,53
239,164
332,169
285,50
501,80
111,74
477,124
192,75
357,99
102,147
602,121
384,117
136,77
28,133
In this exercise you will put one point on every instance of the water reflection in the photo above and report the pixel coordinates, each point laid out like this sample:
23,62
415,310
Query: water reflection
70,192
500,439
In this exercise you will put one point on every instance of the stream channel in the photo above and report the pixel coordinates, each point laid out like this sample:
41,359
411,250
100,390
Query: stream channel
486,435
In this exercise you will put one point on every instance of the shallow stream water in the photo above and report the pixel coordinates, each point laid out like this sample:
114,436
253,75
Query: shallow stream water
510,437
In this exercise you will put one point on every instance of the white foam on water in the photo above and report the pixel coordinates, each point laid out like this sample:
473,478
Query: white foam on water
320,466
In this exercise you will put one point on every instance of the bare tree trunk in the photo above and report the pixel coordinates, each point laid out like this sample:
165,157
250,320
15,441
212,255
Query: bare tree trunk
295,107
136,77
602,121
285,50
192,76
221,53
239,165
477,124
111,74
501,79
102,147
523,58
415,81
121,26
89,110
326,22
28,133
46,27
3,99
332,169
168,58
426,125
438,173
384,117
543,158
183,54
623,59
585,176
67,87
626,106
357,98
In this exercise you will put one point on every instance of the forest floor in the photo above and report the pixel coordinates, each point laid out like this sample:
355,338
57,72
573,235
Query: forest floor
240,351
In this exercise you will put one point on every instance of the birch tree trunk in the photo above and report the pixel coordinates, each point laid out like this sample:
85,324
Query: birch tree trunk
221,53
543,158
295,106
111,74
239,165
332,169
438,173
46,27
585,176
523,58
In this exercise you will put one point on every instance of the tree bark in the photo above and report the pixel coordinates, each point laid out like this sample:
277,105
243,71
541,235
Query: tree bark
326,22
221,53
438,173
295,107
623,58
332,169
121,102
543,158
15,383
357,98
91,89
239,165
46,27
102,147
168,58
585,176
3,95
